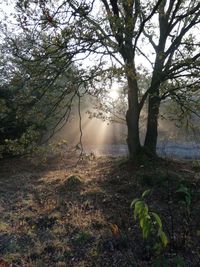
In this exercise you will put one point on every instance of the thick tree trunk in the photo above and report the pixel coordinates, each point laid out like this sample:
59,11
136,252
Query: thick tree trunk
133,112
132,119
152,125
133,140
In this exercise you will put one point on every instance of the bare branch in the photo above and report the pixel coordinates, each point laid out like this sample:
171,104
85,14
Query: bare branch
145,20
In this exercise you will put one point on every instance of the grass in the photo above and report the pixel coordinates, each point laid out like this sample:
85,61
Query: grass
60,214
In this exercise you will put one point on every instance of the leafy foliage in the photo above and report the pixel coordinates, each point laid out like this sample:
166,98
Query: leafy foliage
36,95
150,222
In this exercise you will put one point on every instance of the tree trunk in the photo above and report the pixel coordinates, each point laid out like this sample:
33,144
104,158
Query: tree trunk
132,119
133,140
152,125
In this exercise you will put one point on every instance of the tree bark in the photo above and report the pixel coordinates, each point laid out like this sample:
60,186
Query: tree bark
132,119
154,99
133,141
152,124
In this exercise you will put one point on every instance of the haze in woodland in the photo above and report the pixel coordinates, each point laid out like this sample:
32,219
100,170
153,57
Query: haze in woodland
130,62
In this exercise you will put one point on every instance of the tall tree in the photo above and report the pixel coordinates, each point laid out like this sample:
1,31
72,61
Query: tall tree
162,32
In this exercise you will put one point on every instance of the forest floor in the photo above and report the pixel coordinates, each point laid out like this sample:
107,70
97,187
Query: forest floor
55,213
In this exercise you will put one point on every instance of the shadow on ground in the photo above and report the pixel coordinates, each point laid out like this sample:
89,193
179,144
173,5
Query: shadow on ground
59,214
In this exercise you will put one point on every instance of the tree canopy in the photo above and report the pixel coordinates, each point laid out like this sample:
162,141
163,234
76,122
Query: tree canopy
121,38
36,93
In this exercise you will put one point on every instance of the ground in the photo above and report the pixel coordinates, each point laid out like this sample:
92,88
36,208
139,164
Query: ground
58,213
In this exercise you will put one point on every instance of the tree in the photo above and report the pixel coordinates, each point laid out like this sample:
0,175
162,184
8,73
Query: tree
162,32
35,97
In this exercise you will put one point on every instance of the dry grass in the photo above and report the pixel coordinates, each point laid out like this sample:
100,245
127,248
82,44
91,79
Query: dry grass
59,214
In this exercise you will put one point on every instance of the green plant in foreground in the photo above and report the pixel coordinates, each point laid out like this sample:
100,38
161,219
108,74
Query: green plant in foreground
150,222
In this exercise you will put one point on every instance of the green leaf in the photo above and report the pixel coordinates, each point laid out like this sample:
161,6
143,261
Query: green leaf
157,219
146,193
146,229
144,220
145,210
163,238
133,202
139,206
